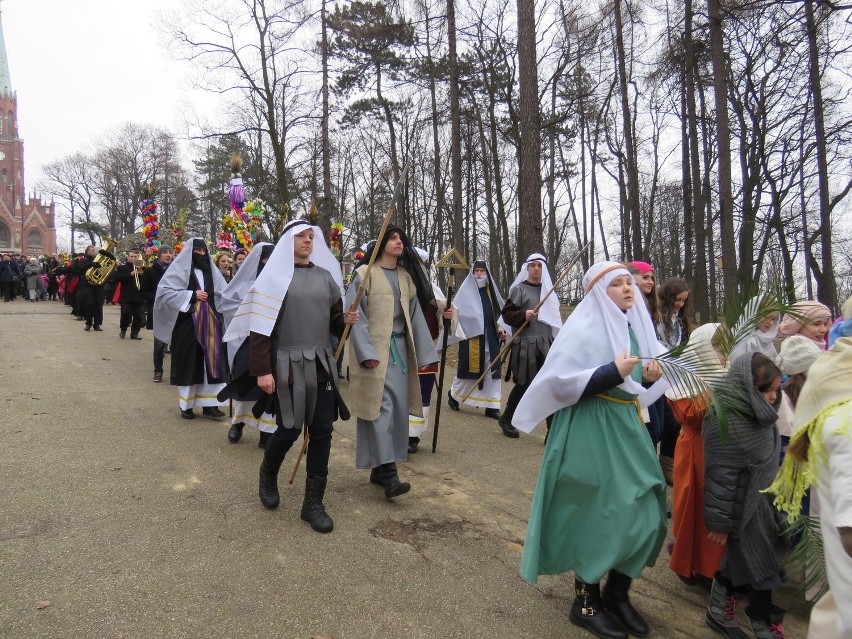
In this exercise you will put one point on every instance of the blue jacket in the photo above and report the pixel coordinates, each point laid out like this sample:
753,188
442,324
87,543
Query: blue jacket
8,270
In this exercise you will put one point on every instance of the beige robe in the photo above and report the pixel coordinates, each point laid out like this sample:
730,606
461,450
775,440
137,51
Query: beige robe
367,384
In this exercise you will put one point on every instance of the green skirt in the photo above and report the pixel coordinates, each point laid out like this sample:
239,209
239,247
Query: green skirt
600,500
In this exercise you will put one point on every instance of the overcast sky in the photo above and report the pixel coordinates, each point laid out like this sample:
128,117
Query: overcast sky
80,67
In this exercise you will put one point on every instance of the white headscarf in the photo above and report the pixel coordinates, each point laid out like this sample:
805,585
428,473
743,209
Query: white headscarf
699,349
594,334
549,312
469,304
172,294
756,340
259,309
236,291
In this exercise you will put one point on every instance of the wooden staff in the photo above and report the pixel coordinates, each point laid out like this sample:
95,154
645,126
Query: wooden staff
447,324
397,191
541,302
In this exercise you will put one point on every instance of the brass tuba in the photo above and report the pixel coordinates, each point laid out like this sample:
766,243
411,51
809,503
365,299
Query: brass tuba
105,261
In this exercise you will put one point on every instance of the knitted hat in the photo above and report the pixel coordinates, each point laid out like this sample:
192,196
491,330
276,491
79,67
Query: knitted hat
797,354
807,310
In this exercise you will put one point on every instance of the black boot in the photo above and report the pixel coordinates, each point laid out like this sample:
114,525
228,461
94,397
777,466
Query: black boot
212,411
376,476
268,484
235,433
390,480
617,603
313,510
413,443
451,402
507,428
264,438
588,612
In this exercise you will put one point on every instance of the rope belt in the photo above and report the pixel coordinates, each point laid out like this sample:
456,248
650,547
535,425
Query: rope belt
397,355
635,402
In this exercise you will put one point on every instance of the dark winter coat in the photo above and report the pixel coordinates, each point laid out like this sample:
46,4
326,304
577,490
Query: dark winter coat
737,470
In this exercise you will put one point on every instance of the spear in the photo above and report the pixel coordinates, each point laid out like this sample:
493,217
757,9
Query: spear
397,191
526,323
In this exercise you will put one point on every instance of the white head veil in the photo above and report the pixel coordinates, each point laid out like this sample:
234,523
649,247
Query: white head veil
236,291
469,304
699,349
259,309
549,312
173,294
756,340
594,334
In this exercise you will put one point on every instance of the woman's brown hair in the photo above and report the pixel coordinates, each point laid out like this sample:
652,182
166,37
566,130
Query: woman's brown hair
669,291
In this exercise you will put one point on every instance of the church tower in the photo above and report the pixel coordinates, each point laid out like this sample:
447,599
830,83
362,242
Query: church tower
26,226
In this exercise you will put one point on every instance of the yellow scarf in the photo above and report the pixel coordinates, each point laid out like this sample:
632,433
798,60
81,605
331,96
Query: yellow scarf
827,391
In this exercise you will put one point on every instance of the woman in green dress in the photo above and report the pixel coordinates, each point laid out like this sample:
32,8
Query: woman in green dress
599,506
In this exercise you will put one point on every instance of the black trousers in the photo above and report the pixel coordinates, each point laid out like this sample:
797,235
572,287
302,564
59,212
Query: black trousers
91,304
8,289
133,315
320,432
517,393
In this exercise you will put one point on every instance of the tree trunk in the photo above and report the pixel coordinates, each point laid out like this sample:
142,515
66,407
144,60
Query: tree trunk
455,126
326,208
631,168
723,139
530,231
826,292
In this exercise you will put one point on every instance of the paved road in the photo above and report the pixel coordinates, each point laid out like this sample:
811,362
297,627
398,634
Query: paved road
119,519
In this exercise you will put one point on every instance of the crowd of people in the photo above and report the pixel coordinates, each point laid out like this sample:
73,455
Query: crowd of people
261,327
30,278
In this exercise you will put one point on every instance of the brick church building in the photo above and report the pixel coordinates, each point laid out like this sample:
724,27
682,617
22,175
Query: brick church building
27,225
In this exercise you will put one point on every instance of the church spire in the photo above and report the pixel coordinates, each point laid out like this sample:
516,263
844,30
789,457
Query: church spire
5,80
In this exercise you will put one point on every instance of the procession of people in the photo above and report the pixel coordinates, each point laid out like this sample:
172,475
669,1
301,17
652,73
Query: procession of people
264,337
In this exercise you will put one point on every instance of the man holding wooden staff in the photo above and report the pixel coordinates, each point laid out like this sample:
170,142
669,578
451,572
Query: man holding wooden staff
387,347
530,348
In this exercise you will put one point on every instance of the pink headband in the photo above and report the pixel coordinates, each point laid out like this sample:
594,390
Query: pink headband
643,267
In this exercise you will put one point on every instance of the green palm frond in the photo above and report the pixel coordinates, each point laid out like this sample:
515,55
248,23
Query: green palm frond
808,556
689,374
748,311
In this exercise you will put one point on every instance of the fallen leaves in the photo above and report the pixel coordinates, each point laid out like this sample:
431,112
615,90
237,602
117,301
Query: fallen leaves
41,604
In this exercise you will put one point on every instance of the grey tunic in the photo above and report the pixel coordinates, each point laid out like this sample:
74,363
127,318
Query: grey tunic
302,340
532,346
385,440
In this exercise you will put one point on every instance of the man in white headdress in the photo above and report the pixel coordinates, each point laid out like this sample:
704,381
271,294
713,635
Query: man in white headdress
186,316
289,314
479,303
528,351
246,395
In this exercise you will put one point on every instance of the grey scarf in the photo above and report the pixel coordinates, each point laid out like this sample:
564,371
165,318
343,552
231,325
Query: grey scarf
753,446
